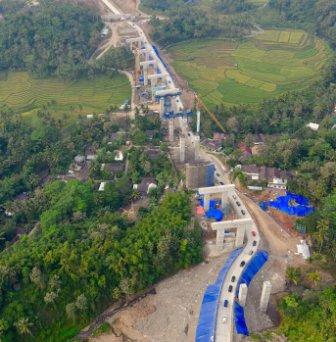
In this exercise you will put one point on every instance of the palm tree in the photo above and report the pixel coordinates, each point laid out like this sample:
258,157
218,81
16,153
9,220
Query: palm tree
2,236
71,311
314,277
23,326
136,195
293,275
322,232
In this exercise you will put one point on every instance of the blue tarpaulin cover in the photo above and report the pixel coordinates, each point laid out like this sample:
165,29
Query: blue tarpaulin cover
216,214
205,331
253,267
291,204
239,317
213,212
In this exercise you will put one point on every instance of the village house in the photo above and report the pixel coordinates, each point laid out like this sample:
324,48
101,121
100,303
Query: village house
274,177
150,134
245,150
153,153
145,186
119,156
257,150
90,154
114,168
258,139
313,126
116,135
219,136
212,145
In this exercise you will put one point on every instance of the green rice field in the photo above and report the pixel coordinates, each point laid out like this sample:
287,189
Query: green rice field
230,72
26,94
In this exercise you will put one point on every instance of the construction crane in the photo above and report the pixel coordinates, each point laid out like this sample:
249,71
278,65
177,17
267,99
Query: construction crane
200,105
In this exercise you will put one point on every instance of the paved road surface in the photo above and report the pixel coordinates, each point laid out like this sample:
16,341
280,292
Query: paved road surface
225,316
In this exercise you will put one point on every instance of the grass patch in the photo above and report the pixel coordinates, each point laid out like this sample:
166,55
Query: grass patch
264,66
27,95
104,328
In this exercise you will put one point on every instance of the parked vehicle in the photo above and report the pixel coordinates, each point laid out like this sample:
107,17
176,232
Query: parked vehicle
233,279
254,243
226,303
242,264
230,288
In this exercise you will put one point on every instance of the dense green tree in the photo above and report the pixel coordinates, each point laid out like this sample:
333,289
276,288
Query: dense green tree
49,39
230,6
319,13
72,268
293,275
188,22
311,319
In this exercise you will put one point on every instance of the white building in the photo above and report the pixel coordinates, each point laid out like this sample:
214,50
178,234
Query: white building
102,186
119,156
313,126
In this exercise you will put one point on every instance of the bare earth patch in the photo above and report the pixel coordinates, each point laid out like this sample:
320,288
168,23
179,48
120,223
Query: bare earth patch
171,314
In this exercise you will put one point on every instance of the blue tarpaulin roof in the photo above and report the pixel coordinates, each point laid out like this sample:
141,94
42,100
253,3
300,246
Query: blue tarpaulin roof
205,331
253,267
291,204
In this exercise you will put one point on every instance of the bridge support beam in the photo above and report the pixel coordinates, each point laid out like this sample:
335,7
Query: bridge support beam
242,294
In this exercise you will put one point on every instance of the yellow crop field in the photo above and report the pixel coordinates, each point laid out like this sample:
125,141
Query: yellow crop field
26,94
284,36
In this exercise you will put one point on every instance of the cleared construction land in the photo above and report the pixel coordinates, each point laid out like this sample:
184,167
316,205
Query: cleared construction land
264,66
26,94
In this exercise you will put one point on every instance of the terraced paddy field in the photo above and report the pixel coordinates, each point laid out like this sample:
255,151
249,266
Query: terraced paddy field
264,66
26,94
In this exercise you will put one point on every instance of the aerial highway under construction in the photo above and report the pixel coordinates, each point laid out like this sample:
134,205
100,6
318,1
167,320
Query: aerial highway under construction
224,331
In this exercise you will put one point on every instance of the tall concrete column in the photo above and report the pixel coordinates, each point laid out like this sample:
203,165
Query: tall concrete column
220,235
153,81
197,147
182,149
224,199
242,294
171,130
162,109
240,236
137,67
198,126
265,295
145,74
206,202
